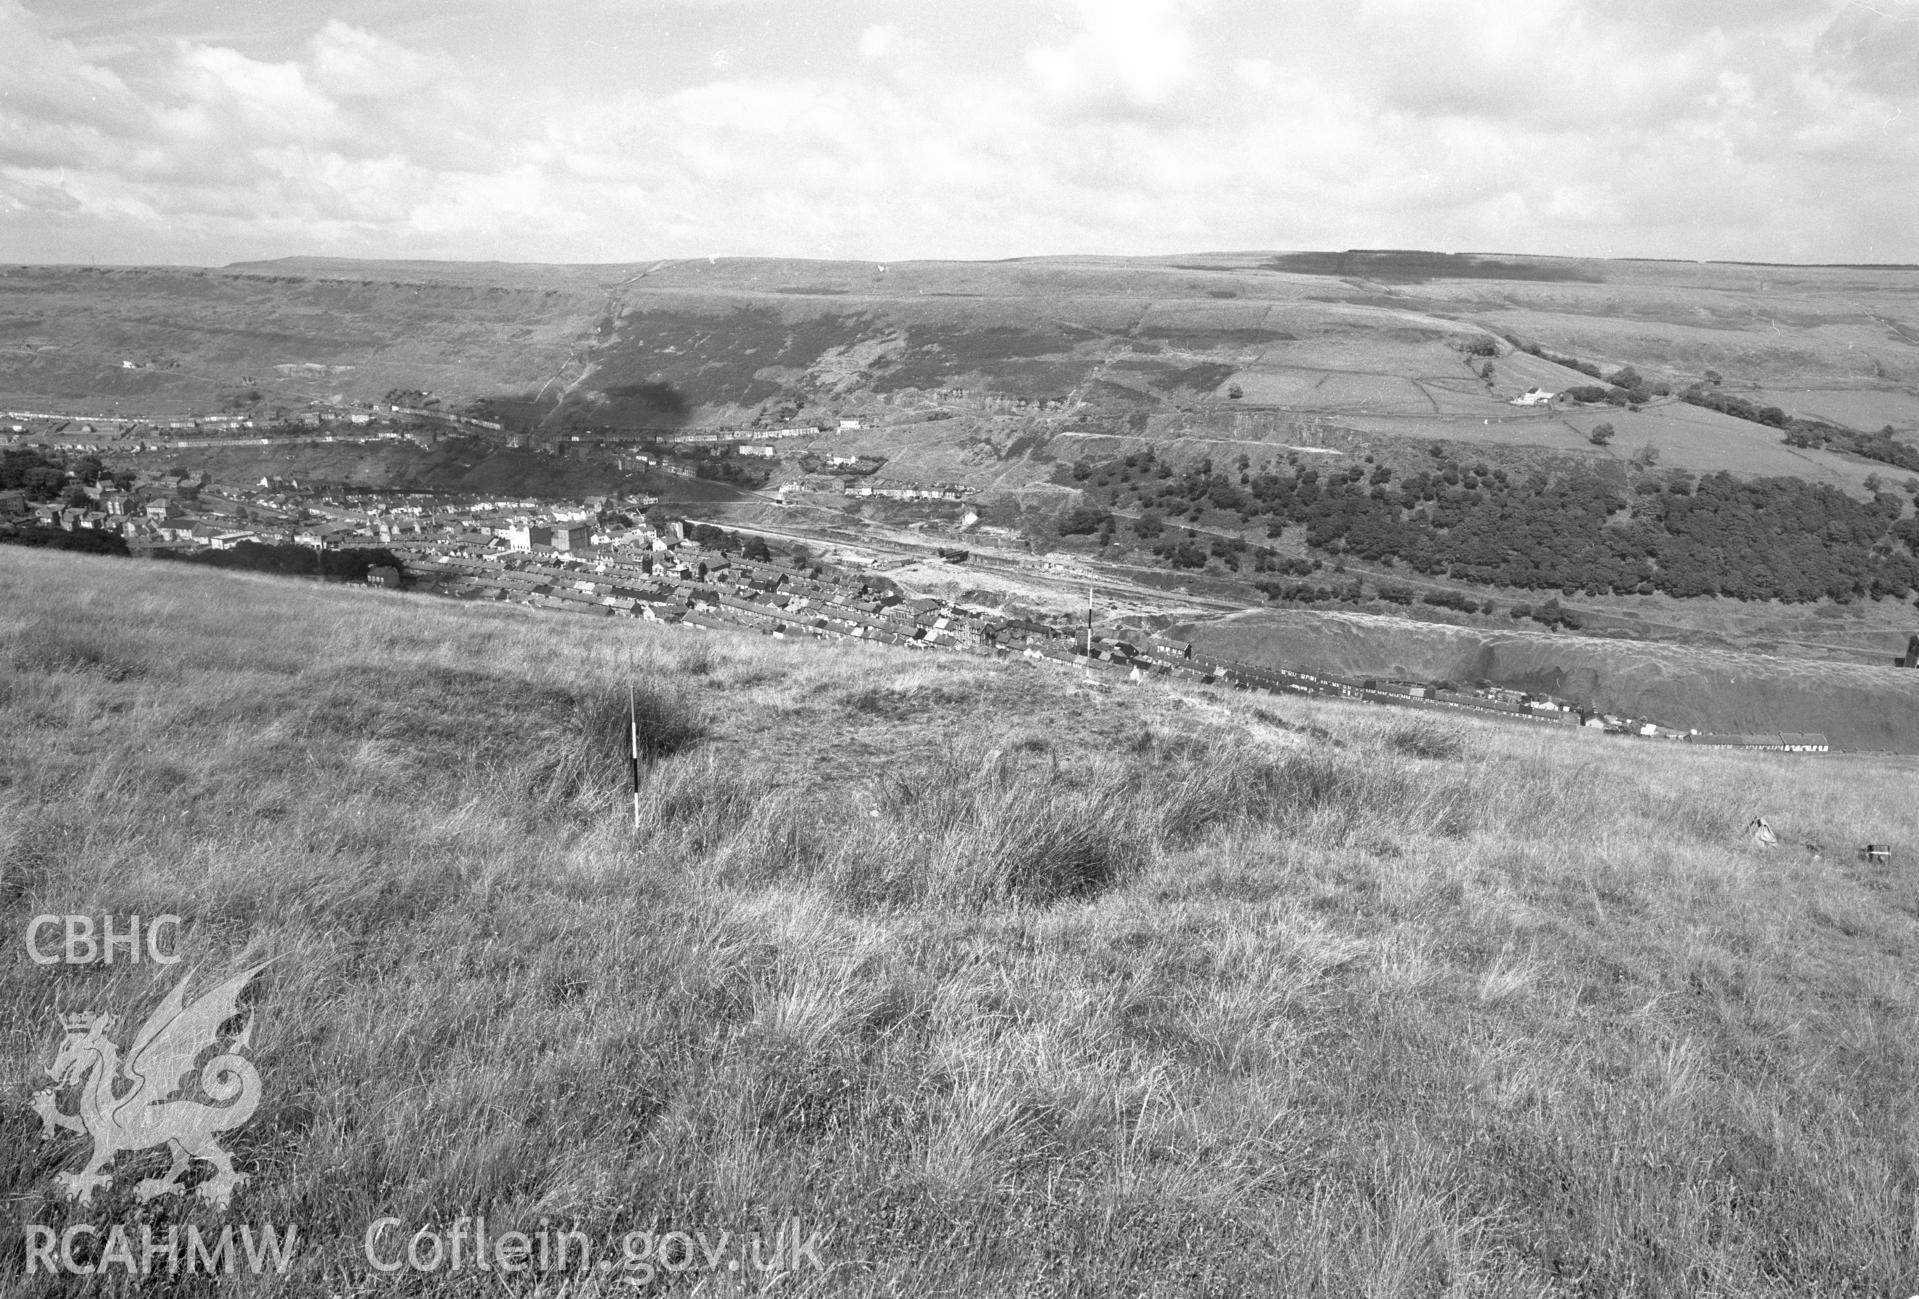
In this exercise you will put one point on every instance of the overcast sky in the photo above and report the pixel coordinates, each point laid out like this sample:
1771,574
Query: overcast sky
210,131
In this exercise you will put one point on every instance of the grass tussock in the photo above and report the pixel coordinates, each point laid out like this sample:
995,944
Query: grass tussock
1154,993
1424,738
907,694
658,718
995,820
981,826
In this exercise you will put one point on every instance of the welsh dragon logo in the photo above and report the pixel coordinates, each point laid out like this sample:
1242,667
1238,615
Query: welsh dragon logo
151,1110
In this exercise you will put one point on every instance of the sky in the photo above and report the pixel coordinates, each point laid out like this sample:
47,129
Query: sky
204,132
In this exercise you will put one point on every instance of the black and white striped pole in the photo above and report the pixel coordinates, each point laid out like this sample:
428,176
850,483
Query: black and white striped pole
633,751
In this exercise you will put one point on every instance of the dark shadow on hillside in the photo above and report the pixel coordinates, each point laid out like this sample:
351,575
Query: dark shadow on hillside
1204,376
1200,336
710,359
654,401
1405,266
646,406
667,363
1026,362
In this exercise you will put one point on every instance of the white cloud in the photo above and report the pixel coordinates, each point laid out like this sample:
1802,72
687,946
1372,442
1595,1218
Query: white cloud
1139,52
1258,73
50,80
1133,126
349,61
1875,47
235,97
879,40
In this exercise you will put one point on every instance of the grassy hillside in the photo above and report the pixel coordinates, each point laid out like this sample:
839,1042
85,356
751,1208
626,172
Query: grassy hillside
203,341
1369,345
1003,982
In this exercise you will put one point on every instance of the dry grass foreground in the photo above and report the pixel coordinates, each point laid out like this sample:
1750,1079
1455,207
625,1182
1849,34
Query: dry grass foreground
1010,984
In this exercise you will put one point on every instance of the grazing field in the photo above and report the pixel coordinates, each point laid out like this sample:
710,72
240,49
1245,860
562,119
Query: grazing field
1705,441
1870,410
1334,392
1001,982
1684,436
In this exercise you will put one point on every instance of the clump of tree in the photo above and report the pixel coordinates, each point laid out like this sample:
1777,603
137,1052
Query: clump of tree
88,541
1451,600
1553,617
346,564
740,473
1594,395
1181,552
1572,530
713,538
1083,520
1311,593
1265,561
1227,550
1557,358
1601,435
30,472
1727,403
1881,446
